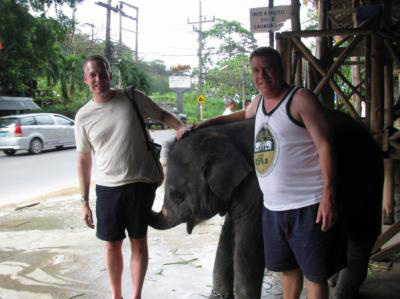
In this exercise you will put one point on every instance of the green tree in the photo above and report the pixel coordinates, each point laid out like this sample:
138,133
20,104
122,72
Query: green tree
157,74
132,74
227,60
30,46
230,78
226,40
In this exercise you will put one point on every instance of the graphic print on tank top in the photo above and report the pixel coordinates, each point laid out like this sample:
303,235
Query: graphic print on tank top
266,150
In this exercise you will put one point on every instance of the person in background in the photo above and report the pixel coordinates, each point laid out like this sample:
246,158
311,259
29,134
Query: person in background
296,171
230,107
247,104
108,128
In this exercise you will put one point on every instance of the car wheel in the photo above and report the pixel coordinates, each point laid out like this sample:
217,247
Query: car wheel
36,146
10,152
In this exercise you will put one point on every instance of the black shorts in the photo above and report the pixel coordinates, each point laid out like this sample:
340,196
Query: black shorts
123,207
293,240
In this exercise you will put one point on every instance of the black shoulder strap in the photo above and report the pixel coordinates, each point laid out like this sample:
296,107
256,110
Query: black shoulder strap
130,93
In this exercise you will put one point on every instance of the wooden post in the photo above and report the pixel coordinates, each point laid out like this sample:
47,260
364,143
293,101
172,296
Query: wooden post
271,33
355,69
376,87
388,191
367,81
296,26
322,52
289,61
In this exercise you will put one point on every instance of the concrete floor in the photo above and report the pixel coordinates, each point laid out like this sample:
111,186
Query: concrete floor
47,252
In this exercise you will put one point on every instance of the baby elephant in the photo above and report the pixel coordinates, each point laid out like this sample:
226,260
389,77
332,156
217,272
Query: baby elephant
211,171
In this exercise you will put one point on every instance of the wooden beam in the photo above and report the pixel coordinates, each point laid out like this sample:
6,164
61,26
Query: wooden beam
332,32
339,43
307,54
342,11
336,65
353,88
386,253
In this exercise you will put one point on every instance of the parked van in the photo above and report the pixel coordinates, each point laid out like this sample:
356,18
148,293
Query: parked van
35,132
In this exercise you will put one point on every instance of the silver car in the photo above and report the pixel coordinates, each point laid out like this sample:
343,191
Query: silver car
35,132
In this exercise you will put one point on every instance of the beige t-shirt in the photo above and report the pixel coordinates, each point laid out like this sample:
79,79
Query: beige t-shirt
112,131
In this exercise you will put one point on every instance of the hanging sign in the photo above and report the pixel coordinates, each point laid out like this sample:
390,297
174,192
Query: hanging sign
264,19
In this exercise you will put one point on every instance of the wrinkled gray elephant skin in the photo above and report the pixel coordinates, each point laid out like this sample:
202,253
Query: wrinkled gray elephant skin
211,171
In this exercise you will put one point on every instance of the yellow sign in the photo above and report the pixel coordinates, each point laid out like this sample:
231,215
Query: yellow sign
201,99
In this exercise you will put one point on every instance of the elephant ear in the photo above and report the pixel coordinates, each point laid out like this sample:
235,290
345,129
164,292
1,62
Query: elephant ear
226,168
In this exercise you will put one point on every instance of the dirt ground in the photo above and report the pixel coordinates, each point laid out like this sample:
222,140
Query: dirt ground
47,252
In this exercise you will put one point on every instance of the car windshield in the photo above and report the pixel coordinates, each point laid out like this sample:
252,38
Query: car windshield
8,122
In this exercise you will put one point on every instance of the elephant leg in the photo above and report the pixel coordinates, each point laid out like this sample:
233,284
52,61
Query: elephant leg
249,259
223,265
351,277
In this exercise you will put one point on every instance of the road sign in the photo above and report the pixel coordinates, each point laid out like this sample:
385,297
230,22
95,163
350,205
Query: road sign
179,81
264,19
201,100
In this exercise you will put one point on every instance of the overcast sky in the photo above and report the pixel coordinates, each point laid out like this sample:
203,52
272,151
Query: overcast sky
164,32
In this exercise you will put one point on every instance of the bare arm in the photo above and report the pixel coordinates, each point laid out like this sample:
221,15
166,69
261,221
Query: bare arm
307,109
236,116
84,173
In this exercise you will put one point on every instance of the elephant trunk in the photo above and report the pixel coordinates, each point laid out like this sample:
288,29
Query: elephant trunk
163,220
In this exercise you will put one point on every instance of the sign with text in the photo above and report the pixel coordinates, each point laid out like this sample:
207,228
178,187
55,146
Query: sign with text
201,99
264,19
179,82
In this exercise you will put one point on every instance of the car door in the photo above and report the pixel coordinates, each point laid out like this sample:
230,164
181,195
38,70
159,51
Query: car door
47,129
65,130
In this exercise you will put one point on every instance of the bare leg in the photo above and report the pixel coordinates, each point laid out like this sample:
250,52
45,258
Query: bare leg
317,290
114,264
139,263
292,283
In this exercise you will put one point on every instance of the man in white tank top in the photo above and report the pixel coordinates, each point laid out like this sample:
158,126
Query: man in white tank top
295,166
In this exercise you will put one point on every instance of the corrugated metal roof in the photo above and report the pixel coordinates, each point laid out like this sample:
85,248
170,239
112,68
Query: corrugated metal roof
17,103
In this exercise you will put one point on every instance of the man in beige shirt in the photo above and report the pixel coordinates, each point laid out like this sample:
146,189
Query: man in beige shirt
126,173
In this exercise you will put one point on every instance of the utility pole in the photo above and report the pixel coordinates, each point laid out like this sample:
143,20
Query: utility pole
136,19
200,51
107,49
92,27
271,33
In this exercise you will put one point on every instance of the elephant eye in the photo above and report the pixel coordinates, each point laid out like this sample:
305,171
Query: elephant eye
177,196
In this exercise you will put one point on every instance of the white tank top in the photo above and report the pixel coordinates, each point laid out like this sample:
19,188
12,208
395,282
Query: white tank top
286,159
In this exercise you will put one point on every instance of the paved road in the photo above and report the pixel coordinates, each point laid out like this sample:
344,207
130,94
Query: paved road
26,176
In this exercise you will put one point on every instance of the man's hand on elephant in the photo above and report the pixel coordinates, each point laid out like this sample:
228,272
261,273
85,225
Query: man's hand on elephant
326,214
87,214
182,131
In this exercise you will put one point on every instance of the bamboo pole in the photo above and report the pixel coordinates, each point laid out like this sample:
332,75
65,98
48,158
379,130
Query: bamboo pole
337,64
296,26
376,86
335,32
367,81
354,89
332,83
324,45
388,188
289,62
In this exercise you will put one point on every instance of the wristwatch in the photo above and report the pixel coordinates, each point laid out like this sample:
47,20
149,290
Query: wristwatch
84,200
